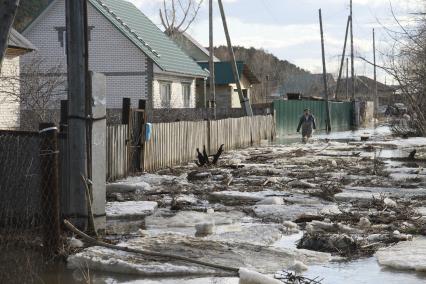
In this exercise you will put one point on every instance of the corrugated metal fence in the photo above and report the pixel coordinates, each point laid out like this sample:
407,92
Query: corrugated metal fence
288,113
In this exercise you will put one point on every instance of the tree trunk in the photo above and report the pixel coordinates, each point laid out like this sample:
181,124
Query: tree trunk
8,10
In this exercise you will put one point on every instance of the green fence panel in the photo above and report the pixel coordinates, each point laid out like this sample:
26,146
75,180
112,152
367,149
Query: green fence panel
288,113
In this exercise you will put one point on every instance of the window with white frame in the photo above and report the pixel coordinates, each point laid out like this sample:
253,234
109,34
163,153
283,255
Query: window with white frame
186,94
165,94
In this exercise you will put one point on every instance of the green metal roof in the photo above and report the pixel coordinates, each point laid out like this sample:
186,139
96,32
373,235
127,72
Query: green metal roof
223,72
138,28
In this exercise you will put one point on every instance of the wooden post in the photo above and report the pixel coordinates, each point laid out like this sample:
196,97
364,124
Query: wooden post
63,123
343,58
77,102
141,134
205,92
376,94
347,78
245,102
7,15
211,61
324,75
125,111
49,187
352,55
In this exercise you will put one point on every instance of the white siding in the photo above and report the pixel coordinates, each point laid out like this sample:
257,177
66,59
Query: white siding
176,87
235,98
9,106
110,52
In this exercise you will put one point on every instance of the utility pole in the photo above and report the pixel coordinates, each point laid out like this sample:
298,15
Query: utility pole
352,55
343,58
77,54
376,95
347,78
324,71
8,9
245,102
211,60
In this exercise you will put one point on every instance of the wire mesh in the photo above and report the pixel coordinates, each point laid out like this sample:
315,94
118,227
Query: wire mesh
26,212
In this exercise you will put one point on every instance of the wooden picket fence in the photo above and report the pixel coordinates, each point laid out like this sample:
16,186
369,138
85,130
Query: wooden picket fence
175,143
117,152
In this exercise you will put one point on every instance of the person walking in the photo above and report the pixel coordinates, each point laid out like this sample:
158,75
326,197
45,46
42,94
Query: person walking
308,124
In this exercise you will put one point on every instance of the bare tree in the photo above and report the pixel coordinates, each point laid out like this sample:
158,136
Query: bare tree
405,61
178,15
8,10
37,89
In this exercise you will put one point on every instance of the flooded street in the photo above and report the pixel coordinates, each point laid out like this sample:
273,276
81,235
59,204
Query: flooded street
347,209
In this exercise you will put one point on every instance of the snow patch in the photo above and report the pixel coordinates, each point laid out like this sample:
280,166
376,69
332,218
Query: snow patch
130,209
409,255
271,201
253,277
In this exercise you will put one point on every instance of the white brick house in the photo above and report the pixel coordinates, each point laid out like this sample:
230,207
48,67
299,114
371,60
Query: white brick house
139,61
17,45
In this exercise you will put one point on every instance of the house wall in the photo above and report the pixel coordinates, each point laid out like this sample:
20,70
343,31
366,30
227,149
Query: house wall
235,99
110,52
9,107
177,100
226,95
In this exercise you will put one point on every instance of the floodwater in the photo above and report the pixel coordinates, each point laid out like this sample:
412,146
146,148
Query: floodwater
365,270
360,271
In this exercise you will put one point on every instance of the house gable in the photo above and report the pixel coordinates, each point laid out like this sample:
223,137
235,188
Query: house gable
110,52
192,47
139,29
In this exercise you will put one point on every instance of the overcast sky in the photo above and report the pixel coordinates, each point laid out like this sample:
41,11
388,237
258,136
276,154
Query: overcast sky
290,28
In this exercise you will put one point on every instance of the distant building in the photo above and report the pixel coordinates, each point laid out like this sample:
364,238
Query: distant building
137,58
365,90
306,86
225,84
17,45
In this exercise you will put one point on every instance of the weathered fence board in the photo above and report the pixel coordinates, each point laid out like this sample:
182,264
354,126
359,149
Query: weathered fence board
117,152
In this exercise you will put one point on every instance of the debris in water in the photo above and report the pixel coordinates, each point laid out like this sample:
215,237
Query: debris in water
292,278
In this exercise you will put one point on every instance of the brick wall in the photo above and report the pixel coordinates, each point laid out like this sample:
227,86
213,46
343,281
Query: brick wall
9,106
110,52
176,90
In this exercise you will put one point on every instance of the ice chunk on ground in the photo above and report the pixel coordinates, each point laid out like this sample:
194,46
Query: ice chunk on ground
75,243
204,229
164,219
130,209
264,259
123,187
298,267
280,213
109,260
367,193
389,202
271,201
244,196
409,255
253,277
264,234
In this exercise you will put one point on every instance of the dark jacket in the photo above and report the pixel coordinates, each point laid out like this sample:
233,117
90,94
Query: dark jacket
308,120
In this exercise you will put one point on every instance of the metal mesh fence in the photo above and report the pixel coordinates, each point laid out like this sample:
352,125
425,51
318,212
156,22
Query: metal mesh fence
29,216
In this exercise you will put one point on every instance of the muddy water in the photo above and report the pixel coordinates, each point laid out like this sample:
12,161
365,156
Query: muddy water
364,270
354,272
